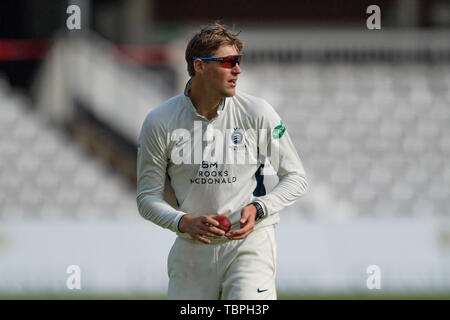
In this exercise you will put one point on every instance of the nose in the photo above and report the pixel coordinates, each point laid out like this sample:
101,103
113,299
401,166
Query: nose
236,69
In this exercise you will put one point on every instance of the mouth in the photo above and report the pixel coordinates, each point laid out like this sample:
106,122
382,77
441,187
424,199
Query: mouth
232,82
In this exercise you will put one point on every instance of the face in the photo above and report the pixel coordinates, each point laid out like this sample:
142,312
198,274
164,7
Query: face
218,80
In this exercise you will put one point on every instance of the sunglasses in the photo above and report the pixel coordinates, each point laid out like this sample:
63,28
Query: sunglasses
226,62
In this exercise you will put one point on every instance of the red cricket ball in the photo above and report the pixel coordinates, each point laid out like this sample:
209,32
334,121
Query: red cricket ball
225,223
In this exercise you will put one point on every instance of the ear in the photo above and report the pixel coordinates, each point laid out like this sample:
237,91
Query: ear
198,66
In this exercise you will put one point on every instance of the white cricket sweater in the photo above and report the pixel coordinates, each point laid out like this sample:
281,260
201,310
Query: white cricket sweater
215,166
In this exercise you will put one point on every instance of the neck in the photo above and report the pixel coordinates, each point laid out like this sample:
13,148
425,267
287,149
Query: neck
205,101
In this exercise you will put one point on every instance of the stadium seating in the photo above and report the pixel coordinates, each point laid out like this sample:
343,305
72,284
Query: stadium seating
375,135
45,175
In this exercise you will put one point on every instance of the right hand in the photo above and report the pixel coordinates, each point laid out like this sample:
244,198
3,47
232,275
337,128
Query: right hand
198,227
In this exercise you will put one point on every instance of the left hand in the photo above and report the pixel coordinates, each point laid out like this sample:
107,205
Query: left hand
248,215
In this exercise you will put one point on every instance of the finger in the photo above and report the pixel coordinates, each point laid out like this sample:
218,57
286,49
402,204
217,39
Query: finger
216,231
239,237
210,220
246,226
240,232
212,235
204,240
211,229
244,217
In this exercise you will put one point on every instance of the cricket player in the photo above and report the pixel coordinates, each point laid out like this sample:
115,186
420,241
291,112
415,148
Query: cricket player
211,144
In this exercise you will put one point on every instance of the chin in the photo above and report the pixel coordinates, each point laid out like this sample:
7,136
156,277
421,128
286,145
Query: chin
229,93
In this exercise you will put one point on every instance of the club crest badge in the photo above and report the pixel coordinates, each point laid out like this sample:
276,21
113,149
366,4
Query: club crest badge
278,131
237,136
237,139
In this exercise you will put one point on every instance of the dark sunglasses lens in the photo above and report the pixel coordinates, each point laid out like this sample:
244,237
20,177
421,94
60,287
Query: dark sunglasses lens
231,61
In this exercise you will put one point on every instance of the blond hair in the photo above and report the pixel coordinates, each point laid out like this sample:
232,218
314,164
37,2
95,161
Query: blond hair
206,41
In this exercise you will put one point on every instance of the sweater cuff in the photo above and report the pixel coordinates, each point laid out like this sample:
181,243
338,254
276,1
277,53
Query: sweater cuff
178,223
264,207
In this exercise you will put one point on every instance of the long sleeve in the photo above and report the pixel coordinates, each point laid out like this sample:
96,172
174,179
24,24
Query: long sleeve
151,176
276,146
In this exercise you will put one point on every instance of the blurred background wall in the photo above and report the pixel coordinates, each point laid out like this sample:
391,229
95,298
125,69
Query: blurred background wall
368,110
